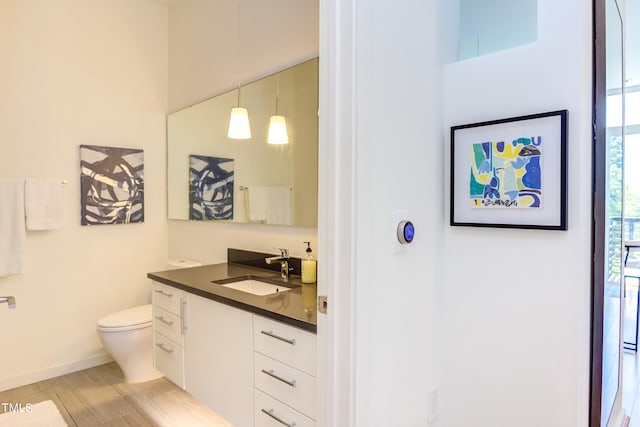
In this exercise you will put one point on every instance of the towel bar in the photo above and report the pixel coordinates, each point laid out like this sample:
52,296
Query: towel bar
9,300
243,188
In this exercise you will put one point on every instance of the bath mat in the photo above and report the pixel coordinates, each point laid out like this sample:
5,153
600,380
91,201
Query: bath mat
41,414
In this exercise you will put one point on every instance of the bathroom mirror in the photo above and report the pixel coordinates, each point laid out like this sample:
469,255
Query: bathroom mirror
214,178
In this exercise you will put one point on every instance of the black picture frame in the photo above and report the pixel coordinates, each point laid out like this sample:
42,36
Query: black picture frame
510,173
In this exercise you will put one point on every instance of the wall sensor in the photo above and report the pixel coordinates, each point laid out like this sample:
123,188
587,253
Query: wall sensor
401,231
405,231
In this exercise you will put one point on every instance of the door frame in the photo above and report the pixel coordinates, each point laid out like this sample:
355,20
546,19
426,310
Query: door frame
336,212
599,209
599,246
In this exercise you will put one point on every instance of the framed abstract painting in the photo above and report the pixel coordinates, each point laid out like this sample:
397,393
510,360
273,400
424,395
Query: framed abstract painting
510,173
111,185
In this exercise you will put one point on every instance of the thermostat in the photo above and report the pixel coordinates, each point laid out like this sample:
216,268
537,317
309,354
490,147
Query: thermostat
401,231
405,231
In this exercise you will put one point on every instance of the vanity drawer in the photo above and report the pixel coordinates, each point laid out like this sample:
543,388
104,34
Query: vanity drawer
168,324
168,358
285,343
270,412
291,386
166,297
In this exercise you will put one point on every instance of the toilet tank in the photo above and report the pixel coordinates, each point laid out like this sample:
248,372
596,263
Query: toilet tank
174,264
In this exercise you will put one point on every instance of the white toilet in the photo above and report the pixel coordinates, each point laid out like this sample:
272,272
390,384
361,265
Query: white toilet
127,336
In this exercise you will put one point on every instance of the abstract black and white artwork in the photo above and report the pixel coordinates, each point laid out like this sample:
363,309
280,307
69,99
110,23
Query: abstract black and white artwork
210,188
112,185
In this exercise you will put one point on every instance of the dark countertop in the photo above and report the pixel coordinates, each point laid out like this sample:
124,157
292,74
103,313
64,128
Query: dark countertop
296,307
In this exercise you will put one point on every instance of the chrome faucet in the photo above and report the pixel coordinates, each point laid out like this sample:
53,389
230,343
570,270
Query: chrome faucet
11,301
284,263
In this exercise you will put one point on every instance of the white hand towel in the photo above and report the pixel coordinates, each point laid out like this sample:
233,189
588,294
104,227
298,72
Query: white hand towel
279,205
43,204
257,204
12,231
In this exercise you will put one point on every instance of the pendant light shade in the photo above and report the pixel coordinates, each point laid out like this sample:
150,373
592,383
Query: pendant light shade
277,125
277,131
239,124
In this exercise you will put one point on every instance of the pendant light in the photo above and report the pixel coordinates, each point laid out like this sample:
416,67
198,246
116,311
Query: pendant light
239,121
277,124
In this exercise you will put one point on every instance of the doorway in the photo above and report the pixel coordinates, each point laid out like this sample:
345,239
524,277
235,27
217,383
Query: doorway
616,181
607,241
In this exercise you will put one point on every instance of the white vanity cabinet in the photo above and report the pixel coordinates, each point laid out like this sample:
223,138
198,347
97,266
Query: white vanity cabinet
249,369
284,374
168,328
219,358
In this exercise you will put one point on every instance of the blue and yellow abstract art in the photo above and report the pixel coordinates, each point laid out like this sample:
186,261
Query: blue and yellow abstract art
506,175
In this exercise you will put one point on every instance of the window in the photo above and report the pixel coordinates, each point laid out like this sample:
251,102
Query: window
488,26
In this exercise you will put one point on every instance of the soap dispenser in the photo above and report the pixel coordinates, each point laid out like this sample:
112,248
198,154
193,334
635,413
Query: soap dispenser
308,266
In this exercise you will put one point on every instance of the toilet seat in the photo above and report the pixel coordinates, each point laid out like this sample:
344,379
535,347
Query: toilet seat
126,320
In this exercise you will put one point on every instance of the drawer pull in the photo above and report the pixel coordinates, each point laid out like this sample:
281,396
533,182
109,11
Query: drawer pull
161,345
163,292
270,413
183,310
272,335
291,383
165,321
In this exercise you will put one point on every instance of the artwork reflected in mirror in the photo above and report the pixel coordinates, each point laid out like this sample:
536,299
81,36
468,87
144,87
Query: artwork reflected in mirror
210,188
259,183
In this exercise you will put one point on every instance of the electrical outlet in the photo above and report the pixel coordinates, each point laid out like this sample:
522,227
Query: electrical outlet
432,406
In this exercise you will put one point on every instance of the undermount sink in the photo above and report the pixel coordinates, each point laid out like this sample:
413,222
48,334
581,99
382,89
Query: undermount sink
252,285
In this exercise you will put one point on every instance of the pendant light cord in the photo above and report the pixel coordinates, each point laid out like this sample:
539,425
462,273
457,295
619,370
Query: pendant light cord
238,48
277,92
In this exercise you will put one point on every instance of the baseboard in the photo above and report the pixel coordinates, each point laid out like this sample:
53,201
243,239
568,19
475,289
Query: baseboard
619,419
52,372
625,421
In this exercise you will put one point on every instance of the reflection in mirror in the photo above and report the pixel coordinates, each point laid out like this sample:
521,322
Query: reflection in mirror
612,325
212,177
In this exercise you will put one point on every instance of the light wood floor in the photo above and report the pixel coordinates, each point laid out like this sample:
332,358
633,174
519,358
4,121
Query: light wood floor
631,387
99,397
631,367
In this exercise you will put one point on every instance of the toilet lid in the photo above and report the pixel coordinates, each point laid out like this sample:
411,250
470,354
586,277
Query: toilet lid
136,316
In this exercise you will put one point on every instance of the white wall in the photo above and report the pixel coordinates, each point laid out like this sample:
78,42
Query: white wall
399,146
506,342
79,72
203,51
516,303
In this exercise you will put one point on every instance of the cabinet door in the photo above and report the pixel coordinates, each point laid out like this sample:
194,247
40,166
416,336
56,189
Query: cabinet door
285,343
166,297
168,324
270,412
168,358
289,385
219,358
